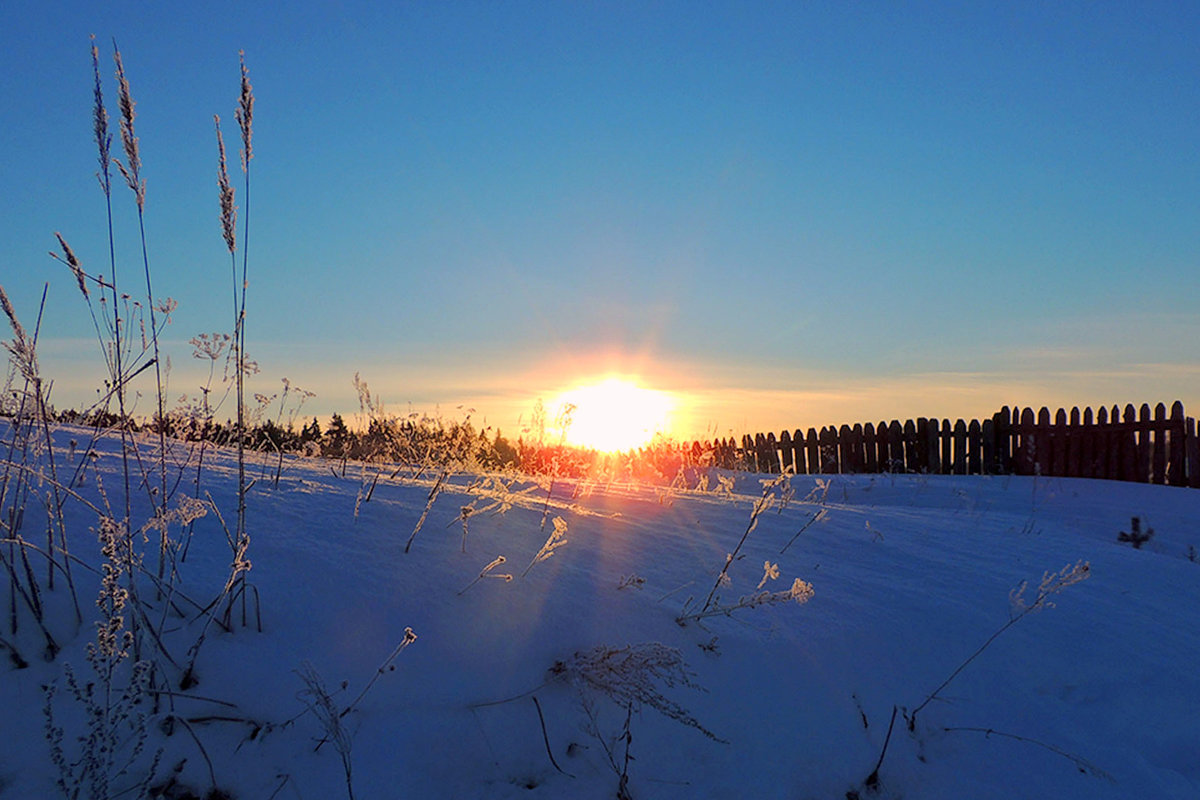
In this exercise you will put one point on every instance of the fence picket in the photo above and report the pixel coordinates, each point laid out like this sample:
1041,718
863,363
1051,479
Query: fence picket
786,454
960,448
812,448
1176,456
895,445
974,448
1074,442
1002,423
1145,452
1109,455
1158,459
1128,448
1087,445
1192,453
870,451
946,447
829,453
1058,464
857,449
768,460
798,452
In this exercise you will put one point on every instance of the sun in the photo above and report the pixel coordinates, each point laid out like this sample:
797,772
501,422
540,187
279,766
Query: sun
613,414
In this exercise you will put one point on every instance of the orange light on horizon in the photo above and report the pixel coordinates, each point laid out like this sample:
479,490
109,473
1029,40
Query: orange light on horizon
613,414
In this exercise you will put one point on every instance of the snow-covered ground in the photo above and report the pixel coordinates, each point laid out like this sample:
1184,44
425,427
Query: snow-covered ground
1096,697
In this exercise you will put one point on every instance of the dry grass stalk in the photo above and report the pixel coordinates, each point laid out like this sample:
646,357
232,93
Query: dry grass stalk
634,675
73,263
129,141
556,539
117,344
486,572
321,703
225,196
1052,583
761,506
100,124
245,113
132,172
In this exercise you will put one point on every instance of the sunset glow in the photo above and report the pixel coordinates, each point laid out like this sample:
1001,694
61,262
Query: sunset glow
613,414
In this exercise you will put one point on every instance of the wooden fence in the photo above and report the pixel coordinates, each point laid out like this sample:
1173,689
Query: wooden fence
1140,445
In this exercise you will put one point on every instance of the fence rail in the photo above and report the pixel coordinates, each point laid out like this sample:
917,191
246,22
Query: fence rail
1140,445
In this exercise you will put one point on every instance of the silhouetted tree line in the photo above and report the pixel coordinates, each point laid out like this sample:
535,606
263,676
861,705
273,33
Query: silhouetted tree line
420,440
416,441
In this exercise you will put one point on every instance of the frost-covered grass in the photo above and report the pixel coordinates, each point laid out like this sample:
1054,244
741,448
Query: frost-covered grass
503,692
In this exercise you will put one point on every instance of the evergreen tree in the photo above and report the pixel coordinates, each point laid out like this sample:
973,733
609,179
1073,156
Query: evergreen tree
310,432
338,438
503,452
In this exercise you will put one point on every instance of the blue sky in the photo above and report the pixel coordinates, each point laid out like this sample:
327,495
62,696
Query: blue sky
794,214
